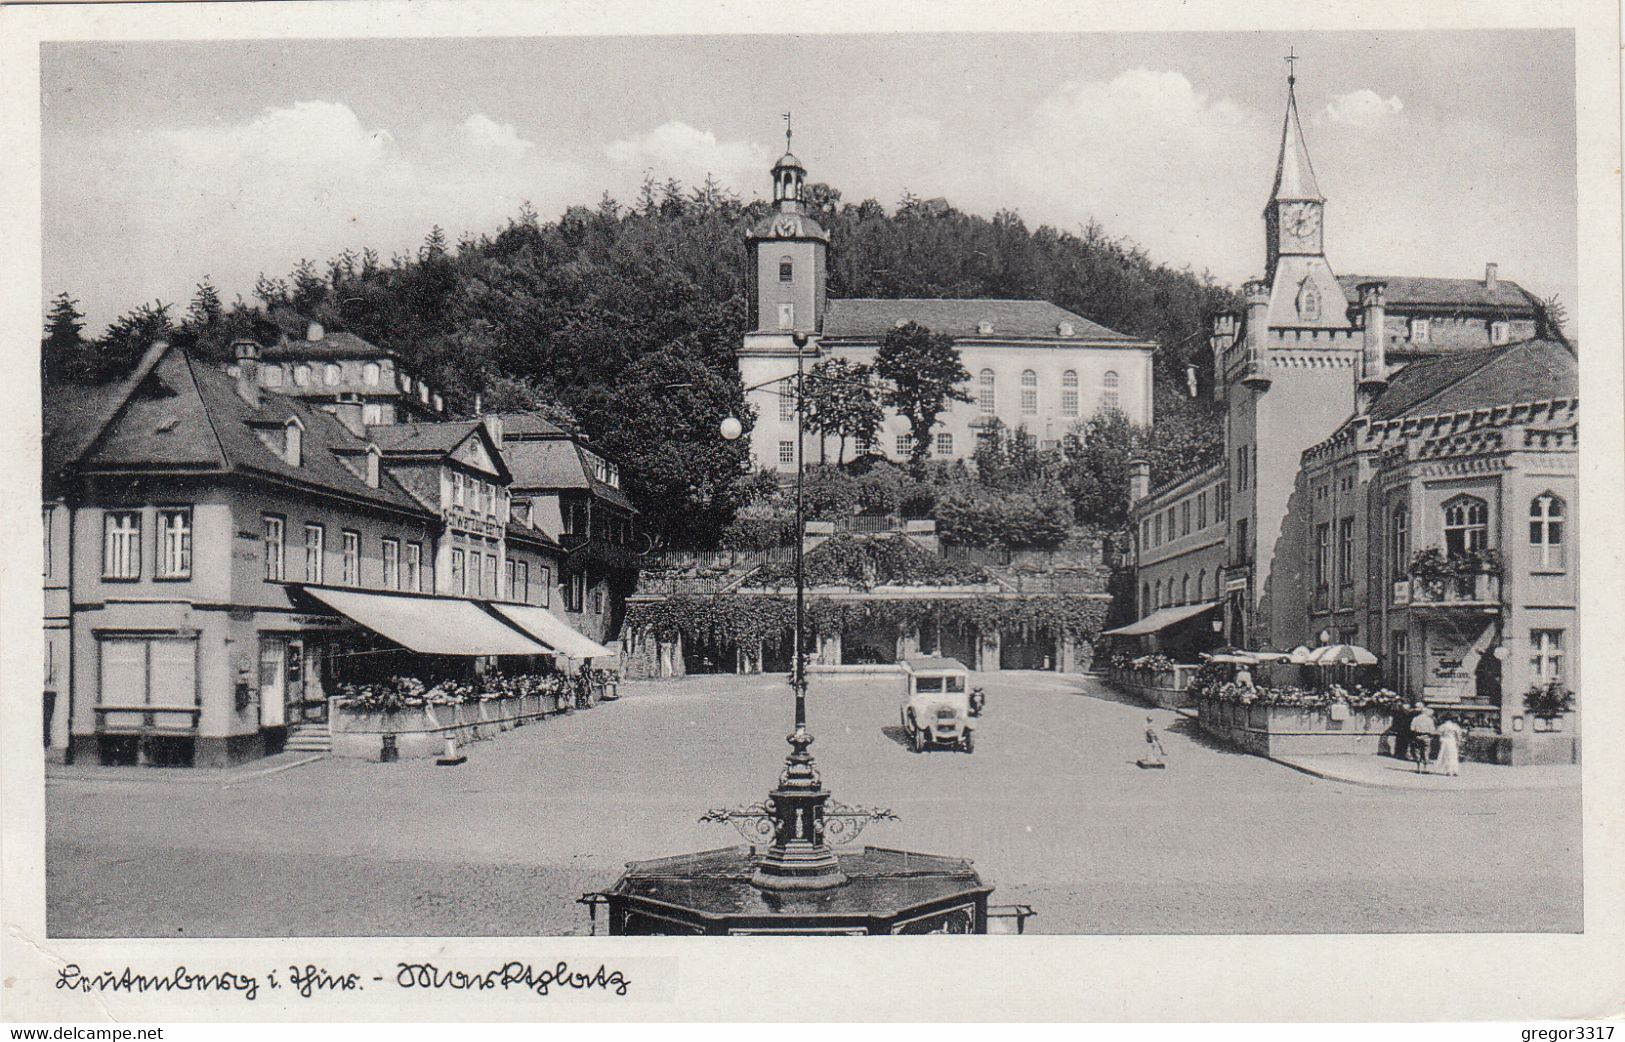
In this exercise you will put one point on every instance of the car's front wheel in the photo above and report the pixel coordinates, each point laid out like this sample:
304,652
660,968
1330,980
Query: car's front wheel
970,742
919,739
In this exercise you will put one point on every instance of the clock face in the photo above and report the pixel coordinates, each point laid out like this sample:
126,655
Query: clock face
1302,220
785,226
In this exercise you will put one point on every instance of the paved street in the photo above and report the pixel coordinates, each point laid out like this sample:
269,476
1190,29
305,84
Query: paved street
1050,806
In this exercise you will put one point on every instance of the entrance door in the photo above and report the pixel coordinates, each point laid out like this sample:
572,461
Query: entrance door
302,683
273,681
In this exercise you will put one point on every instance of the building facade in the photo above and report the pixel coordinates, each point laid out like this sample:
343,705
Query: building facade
1033,365
218,555
1353,400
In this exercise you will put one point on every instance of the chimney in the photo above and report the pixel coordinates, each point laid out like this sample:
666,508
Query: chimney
1257,295
314,331
1139,480
248,370
1374,343
1491,274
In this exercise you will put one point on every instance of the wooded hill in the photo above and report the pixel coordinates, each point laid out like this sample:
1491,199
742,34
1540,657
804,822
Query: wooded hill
595,315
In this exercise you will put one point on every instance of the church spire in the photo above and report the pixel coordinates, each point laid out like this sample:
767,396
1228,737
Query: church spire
1294,174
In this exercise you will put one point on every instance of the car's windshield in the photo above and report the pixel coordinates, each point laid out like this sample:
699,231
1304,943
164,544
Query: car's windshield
928,684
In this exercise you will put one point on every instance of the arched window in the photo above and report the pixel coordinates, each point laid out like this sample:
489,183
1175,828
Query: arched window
985,392
1069,393
1109,384
331,373
1201,585
1157,603
1308,300
1466,525
1546,530
1399,527
787,269
1029,392
1145,598
1185,589
370,373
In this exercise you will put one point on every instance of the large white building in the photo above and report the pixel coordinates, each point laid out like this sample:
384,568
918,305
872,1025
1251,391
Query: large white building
1033,365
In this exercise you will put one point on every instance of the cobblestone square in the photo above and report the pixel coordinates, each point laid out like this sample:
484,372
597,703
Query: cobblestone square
1051,807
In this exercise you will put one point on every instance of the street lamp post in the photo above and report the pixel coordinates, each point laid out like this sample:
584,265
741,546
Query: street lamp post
799,858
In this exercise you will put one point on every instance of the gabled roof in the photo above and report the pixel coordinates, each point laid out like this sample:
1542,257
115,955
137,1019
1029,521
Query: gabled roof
1409,291
74,415
1294,174
1018,319
1531,370
437,438
188,417
556,465
530,424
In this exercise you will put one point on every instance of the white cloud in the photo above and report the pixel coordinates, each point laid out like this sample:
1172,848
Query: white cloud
132,216
1362,108
1151,157
676,149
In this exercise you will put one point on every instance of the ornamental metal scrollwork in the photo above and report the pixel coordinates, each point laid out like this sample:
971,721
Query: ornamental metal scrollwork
755,823
842,823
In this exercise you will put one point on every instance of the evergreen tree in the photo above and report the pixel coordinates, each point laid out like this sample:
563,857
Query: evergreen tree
62,350
205,311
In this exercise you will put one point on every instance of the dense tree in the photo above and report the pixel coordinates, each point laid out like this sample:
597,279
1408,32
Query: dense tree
842,402
206,310
923,374
559,311
62,349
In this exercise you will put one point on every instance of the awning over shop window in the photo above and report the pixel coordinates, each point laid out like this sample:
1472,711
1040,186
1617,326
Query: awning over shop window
429,625
551,630
1160,619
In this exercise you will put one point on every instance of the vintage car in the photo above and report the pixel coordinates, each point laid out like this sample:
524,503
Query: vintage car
936,704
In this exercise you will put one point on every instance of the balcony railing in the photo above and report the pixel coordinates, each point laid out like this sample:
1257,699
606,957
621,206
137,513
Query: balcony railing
1480,590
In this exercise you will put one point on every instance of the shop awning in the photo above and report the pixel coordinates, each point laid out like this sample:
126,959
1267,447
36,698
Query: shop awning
1161,619
429,625
551,630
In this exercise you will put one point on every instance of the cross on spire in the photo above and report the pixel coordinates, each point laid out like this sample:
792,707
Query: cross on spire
1291,68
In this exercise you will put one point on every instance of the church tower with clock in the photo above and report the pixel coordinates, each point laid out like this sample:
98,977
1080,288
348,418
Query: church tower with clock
789,257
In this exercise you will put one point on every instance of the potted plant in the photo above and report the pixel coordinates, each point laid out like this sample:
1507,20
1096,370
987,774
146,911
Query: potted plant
1548,703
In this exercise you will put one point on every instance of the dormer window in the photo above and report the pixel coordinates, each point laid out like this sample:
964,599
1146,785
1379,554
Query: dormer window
293,442
272,375
301,375
1420,331
1066,329
985,328
1499,332
331,374
370,374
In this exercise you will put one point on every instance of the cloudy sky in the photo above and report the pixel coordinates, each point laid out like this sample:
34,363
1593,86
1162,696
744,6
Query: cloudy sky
166,162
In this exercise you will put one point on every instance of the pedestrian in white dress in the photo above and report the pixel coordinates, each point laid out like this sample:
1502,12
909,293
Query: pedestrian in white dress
1450,747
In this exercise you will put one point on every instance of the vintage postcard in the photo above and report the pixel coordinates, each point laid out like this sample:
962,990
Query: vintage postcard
560,515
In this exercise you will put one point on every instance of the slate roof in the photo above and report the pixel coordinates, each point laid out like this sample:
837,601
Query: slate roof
73,415
1020,319
1294,174
1531,370
548,465
529,423
1409,291
334,344
202,425
438,437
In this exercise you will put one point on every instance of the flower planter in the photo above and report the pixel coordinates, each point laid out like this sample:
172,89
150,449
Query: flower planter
1294,730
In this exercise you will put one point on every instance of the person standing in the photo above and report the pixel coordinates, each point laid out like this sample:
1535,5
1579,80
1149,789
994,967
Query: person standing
1450,747
1155,756
1422,731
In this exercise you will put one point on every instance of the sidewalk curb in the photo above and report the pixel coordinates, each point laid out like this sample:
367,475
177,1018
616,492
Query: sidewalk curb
278,769
1341,779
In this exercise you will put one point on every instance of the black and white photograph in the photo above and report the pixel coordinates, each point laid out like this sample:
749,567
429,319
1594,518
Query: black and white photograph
1051,482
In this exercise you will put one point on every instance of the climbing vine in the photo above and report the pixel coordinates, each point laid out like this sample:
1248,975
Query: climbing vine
846,560
750,619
